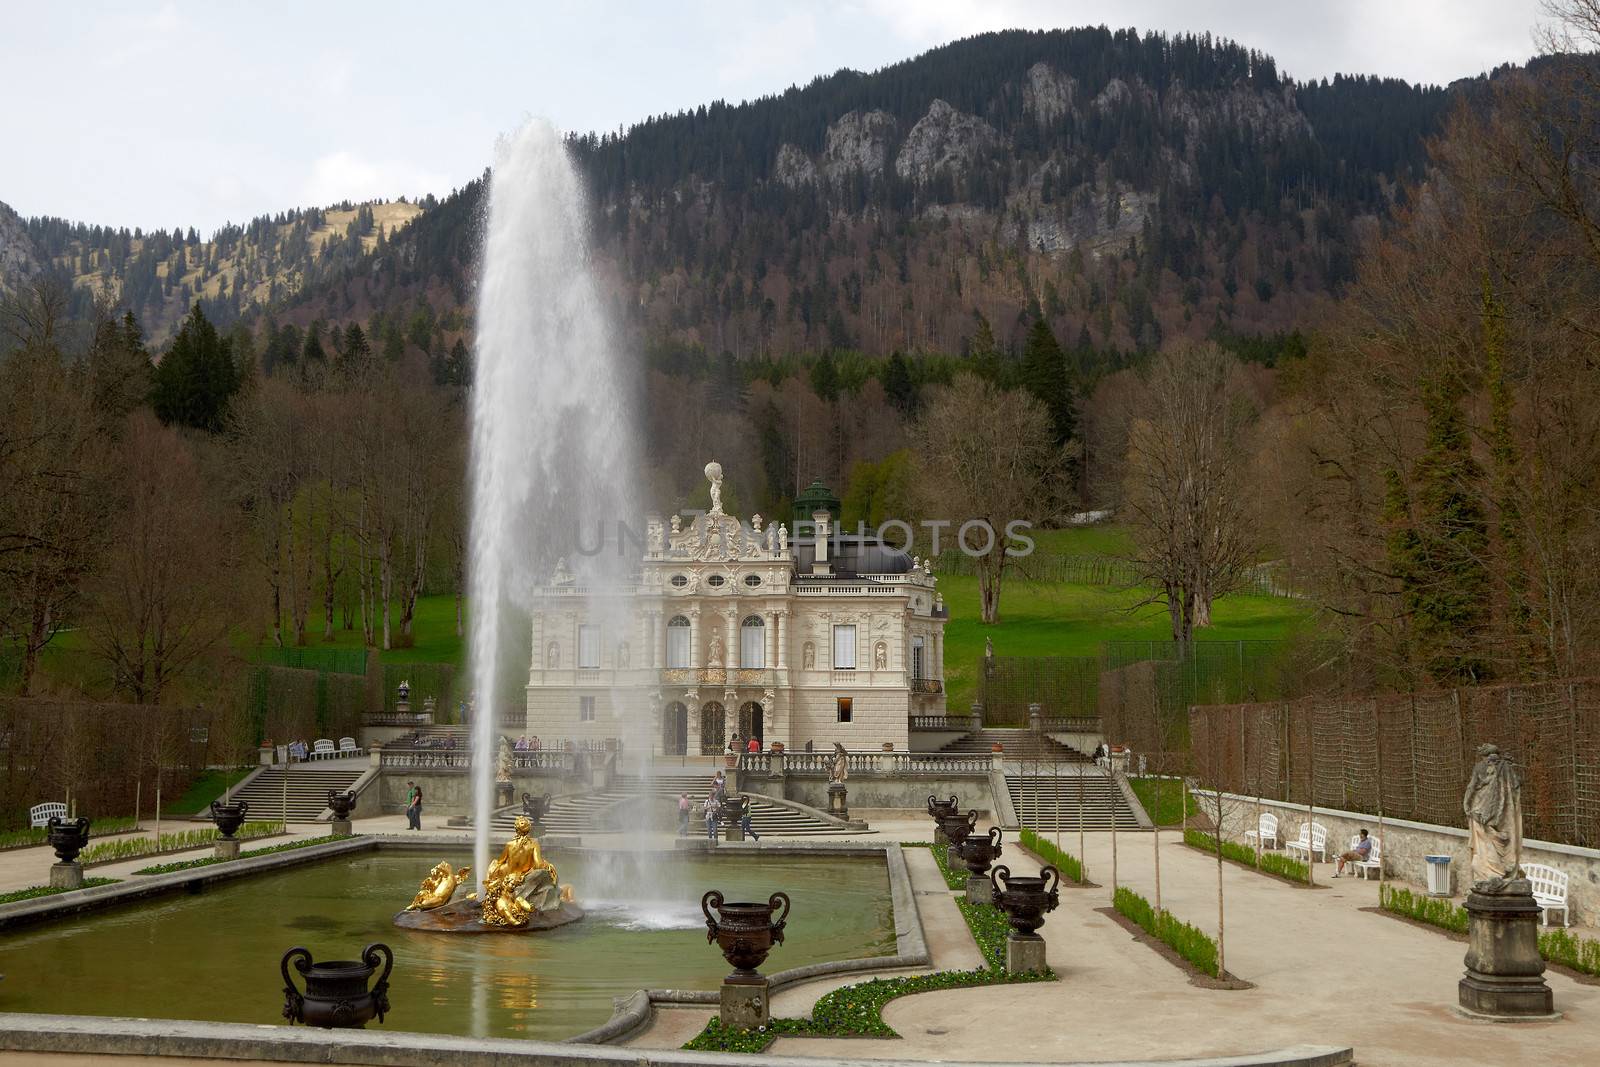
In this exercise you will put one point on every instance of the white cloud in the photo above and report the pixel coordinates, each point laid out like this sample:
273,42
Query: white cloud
344,175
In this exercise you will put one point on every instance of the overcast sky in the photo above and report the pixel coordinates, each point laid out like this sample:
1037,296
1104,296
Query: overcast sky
191,114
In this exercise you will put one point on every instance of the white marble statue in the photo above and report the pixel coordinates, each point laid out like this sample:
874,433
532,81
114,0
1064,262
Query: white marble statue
714,658
714,472
841,765
502,770
1493,806
783,538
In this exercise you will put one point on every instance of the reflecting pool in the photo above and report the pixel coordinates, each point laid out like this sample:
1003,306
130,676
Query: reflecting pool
215,955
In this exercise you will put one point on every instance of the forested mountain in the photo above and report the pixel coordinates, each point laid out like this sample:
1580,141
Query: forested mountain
1127,187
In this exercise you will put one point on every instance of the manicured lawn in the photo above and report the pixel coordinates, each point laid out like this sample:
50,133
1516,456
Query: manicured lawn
1045,619
1162,799
206,788
433,632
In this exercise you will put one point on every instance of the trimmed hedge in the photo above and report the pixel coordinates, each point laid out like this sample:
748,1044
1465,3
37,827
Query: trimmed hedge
35,836
49,891
179,841
1580,954
1070,866
857,1010
1272,862
187,865
1190,942
1435,911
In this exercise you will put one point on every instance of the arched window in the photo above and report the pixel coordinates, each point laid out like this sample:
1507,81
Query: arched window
677,641
674,729
752,643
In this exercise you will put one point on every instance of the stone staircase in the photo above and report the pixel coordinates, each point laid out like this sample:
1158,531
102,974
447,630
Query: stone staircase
1043,802
620,804
308,789
1016,744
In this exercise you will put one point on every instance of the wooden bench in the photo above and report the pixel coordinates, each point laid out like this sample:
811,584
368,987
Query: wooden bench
1313,839
1266,830
1549,890
40,814
1373,864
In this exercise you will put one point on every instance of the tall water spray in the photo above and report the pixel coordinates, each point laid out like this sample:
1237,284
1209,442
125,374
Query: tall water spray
553,449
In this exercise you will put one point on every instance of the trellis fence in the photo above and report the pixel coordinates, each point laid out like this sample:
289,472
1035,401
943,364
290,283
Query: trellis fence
1409,756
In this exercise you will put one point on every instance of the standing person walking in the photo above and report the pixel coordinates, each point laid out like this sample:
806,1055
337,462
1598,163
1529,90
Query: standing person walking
413,807
744,821
713,808
683,814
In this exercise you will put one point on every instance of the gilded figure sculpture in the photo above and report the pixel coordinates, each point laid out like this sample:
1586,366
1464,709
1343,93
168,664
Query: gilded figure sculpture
437,889
521,881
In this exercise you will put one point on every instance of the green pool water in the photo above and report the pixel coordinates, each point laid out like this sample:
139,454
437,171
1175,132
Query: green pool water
215,955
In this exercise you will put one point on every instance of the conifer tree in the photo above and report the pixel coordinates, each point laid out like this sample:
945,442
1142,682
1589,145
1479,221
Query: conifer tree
196,378
899,386
1044,374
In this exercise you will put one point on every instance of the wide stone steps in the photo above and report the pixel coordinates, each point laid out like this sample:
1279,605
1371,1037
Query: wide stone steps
1015,744
1046,802
307,793
596,812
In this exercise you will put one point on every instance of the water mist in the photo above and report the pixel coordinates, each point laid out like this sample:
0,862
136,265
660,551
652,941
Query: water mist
553,444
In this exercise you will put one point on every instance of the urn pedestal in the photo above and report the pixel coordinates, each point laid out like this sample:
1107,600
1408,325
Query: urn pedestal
340,827
745,931
226,848
838,801
341,804
1025,902
66,875
502,794
1505,974
1024,953
745,1003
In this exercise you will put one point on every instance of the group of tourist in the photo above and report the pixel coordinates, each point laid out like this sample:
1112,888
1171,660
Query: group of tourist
712,810
736,746
527,744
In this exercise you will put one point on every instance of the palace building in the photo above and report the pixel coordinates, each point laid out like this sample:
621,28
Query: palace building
736,627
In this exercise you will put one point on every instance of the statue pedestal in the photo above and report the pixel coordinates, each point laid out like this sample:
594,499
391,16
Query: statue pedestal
227,848
502,794
732,832
979,889
66,876
838,806
745,1003
1024,953
340,828
1505,975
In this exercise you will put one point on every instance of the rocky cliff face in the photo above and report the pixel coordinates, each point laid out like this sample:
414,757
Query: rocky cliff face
943,138
858,141
18,261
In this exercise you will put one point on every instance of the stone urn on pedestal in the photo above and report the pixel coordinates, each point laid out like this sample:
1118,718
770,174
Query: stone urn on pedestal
978,853
1025,902
745,931
342,804
941,809
535,809
955,829
228,817
68,839
336,993
1504,980
734,808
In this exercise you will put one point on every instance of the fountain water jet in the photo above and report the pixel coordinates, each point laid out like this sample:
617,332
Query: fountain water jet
553,450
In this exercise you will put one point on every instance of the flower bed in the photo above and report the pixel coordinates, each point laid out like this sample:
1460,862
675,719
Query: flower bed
1555,946
1190,942
186,865
1275,863
35,836
102,852
857,1010
49,891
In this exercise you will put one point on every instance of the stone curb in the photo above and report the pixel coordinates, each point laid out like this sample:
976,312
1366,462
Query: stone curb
86,1035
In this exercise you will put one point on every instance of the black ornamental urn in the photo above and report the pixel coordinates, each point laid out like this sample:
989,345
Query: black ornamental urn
1025,900
744,930
68,838
938,809
957,827
228,817
342,804
336,993
978,852
535,807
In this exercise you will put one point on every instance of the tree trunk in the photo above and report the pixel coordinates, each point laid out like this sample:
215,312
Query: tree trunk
989,573
385,587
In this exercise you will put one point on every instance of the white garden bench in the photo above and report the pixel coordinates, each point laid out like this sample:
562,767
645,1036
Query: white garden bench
1373,864
1313,839
347,746
1266,831
322,748
40,814
1549,890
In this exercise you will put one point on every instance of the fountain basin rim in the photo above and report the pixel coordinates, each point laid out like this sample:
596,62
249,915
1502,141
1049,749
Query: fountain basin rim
105,1035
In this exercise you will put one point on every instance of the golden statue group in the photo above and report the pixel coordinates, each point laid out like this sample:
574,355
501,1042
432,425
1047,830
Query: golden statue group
520,892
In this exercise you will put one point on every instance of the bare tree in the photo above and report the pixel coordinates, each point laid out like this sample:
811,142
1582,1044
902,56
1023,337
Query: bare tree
988,455
1188,499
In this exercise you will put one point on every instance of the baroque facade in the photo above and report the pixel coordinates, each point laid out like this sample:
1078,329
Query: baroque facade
733,627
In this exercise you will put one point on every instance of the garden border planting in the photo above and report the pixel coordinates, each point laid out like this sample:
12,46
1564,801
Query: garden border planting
1576,957
1284,868
1187,947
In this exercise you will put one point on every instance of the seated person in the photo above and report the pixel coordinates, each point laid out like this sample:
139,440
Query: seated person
1359,854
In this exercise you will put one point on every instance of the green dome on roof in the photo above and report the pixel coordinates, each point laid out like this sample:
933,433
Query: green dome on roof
816,497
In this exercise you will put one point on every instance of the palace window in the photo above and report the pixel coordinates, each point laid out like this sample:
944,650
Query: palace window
844,648
916,658
586,709
716,581
844,709
680,580
752,643
678,641
588,647
752,580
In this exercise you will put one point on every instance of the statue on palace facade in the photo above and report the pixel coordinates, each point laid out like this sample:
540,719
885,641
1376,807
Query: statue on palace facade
714,656
1493,806
783,538
552,655
808,656
880,657
502,768
714,472
622,656
841,765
